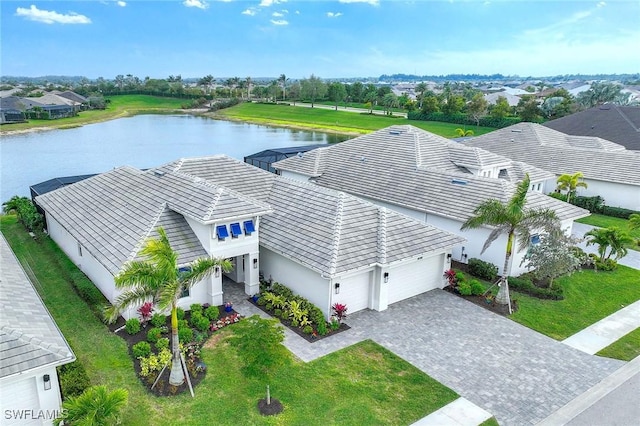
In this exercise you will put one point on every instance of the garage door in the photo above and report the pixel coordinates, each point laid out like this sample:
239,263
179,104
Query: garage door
354,292
411,279
16,399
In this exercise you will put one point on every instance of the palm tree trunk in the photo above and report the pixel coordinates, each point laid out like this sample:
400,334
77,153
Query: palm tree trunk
176,377
503,297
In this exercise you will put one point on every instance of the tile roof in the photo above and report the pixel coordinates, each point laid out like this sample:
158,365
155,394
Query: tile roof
410,167
559,153
29,338
619,124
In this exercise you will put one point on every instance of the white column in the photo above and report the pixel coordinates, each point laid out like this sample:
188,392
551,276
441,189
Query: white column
252,273
380,289
215,296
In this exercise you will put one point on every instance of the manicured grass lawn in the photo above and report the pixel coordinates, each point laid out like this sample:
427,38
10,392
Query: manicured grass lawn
626,348
607,221
589,297
337,121
362,384
120,106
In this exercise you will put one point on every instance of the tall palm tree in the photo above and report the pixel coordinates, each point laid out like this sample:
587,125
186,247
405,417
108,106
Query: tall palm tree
282,80
158,279
611,238
96,406
248,85
571,183
515,220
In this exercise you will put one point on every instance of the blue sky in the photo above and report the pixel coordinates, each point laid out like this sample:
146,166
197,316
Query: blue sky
346,38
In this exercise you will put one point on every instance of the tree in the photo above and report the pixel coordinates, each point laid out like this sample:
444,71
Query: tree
294,92
336,93
477,107
553,257
158,279
356,91
528,109
558,104
453,104
26,212
313,88
207,82
282,81
259,345
420,89
371,96
571,183
612,238
515,220
390,100
598,94
430,104
501,109
96,406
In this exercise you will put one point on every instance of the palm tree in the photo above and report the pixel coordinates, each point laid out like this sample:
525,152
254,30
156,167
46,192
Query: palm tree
463,133
515,220
282,80
571,183
634,221
159,280
95,407
611,238
248,85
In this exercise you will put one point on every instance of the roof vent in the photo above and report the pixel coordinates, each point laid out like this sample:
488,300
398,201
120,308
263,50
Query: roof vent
394,132
458,182
516,130
158,173
300,155
363,159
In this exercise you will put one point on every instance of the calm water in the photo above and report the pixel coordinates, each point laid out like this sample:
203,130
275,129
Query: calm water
141,141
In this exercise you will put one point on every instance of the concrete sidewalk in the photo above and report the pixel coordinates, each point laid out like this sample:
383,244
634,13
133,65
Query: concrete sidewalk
460,412
606,331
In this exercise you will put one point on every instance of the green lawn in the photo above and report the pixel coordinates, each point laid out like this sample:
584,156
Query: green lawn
589,297
362,384
626,348
607,221
120,106
330,120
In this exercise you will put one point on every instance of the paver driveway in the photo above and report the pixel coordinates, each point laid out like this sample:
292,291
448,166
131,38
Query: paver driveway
511,371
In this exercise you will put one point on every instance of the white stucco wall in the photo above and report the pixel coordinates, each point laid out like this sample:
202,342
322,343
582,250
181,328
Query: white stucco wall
415,214
14,403
614,194
295,176
298,278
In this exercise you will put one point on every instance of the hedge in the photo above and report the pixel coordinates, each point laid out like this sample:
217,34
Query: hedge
596,205
524,285
486,121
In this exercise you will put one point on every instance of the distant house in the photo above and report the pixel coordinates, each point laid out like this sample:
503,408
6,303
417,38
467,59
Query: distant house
264,159
492,98
81,102
325,245
431,179
619,124
50,106
609,169
31,347
11,110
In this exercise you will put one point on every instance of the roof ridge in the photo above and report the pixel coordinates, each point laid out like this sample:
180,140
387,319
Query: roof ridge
318,160
138,246
36,341
627,119
416,142
214,203
382,235
337,231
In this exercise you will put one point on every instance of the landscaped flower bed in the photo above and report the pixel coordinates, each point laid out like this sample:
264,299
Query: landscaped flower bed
149,342
298,314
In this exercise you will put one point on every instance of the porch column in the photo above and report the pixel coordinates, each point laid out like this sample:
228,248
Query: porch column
380,289
252,274
214,294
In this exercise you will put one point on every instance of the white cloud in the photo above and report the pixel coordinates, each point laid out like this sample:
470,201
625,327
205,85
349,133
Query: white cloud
371,2
279,22
121,3
297,12
200,4
267,3
602,4
250,12
51,17
277,15
334,15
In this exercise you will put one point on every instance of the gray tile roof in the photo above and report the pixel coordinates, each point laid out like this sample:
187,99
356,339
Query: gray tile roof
29,338
410,167
618,124
559,153
113,213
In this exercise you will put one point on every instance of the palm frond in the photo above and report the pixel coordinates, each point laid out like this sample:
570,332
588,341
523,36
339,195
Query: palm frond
133,296
515,205
493,235
138,273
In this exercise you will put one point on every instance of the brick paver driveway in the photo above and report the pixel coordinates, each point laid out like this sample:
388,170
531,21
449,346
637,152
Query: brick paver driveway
511,371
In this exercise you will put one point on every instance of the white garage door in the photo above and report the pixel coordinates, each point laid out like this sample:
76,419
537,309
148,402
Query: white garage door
16,399
414,278
354,292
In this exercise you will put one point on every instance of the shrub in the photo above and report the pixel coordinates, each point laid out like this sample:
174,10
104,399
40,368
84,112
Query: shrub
180,313
593,204
132,326
185,335
335,324
73,379
277,313
193,319
476,287
307,329
158,320
196,308
460,277
294,323
154,362
153,335
524,285
162,343
212,312
262,301
464,288
322,328
617,212
481,269
606,265
280,290
200,336
200,322
141,349
183,323
339,311
268,306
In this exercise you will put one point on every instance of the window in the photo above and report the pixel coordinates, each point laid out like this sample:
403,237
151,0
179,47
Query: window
222,232
236,231
249,228
535,239
184,293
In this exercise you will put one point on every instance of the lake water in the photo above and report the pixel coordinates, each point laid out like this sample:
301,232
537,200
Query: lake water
142,141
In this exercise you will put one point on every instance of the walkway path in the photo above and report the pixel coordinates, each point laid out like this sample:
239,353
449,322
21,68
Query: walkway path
460,412
632,259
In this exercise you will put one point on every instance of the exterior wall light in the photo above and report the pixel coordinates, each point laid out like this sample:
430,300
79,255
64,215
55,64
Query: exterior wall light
47,381
255,263
217,273
337,287
386,277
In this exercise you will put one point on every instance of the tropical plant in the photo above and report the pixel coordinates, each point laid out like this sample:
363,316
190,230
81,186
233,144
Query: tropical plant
339,311
514,219
158,279
634,221
97,406
26,212
462,132
612,239
296,312
571,183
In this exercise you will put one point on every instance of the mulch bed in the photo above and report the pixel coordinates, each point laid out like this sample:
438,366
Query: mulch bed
270,409
488,305
308,337
163,388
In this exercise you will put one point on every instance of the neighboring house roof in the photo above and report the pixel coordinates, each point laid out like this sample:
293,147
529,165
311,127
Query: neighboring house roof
409,167
559,153
29,338
492,98
68,94
113,213
12,103
52,99
619,124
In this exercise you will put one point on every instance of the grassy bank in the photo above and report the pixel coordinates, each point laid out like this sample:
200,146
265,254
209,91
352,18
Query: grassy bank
362,384
330,120
120,106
